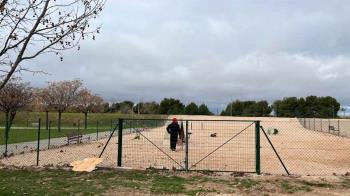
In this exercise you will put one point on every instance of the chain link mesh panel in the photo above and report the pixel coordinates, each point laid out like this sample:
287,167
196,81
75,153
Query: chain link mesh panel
306,146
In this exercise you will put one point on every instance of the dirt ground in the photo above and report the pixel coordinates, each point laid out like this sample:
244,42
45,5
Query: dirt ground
212,185
304,152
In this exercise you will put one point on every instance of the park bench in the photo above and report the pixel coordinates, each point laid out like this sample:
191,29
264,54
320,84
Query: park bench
74,137
35,124
332,128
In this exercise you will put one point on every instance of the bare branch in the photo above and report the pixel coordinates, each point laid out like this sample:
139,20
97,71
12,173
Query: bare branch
32,28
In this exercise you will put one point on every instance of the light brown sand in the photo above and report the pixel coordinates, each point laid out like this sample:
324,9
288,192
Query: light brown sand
303,151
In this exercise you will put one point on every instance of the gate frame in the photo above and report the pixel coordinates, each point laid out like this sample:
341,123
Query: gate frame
186,167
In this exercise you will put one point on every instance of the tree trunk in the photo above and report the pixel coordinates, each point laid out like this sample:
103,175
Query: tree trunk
59,121
85,121
12,117
8,123
6,131
47,120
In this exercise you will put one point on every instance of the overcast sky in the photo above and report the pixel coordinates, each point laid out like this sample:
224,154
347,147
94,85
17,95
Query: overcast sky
212,51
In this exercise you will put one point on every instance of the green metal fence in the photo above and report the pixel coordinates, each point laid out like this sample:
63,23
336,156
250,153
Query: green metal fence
211,145
258,145
339,127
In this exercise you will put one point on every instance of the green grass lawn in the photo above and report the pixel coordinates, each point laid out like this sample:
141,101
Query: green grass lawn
114,182
25,126
29,119
25,135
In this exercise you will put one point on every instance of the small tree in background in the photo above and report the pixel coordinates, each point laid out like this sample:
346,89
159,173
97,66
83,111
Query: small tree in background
106,107
126,107
146,108
87,102
36,104
203,110
191,109
171,106
62,95
13,97
47,102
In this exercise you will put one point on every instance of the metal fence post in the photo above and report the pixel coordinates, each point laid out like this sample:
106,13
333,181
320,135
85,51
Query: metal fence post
120,142
79,131
186,147
97,130
48,142
38,147
257,147
314,124
6,133
47,119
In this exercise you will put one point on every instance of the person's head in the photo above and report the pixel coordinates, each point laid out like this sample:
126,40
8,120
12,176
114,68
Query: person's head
174,120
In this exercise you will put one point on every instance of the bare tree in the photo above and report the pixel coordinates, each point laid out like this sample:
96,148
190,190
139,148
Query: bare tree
47,102
35,105
29,28
13,97
62,95
88,102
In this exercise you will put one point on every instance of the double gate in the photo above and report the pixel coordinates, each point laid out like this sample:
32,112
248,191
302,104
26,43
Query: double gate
205,145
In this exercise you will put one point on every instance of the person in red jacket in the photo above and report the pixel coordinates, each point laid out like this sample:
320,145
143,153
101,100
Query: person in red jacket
173,129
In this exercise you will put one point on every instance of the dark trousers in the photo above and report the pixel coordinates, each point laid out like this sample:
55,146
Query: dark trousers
173,141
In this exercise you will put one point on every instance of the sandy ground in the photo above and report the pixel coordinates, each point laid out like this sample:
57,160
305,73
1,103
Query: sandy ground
304,152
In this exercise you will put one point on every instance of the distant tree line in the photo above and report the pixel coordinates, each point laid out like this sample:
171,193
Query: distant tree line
166,106
247,108
73,96
309,107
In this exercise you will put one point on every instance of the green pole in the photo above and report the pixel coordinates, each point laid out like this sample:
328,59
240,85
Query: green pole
186,148
314,124
47,119
48,144
38,147
97,130
120,142
78,130
257,147
6,132
85,120
59,121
